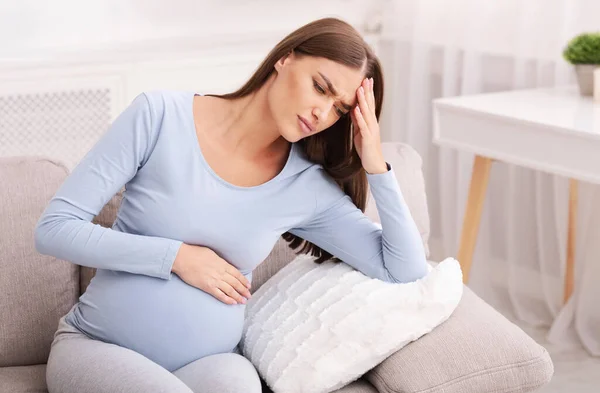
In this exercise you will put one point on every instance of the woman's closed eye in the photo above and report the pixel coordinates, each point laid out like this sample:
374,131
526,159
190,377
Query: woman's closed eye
321,90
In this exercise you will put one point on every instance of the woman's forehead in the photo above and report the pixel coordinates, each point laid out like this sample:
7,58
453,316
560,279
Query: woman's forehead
343,79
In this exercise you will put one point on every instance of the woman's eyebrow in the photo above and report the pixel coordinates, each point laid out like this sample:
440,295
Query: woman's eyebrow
334,91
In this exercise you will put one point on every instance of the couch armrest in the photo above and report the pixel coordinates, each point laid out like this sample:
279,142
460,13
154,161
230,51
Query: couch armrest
476,350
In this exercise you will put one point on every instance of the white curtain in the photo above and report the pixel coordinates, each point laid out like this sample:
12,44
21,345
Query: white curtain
437,48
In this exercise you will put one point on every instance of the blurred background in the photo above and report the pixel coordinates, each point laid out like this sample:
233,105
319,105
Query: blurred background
67,68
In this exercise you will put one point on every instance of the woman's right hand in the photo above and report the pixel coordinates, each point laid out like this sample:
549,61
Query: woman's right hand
202,268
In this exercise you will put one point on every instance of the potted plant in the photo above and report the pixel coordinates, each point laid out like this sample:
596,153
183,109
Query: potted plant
583,51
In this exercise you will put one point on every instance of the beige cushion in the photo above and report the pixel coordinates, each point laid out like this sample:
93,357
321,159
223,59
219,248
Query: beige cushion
36,289
25,379
359,386
408,167
475,350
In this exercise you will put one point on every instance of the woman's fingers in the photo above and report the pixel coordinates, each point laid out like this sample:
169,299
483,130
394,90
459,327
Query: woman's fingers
238,285
231,292
223,297
363,102
371,95
362,99
360,120
237,274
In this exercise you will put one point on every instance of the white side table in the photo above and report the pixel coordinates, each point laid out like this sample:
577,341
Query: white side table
553,130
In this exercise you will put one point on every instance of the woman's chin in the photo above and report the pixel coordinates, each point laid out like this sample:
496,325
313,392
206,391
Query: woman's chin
293,135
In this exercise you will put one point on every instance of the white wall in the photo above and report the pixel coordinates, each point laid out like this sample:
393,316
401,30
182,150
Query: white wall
99,55
31,29
505,27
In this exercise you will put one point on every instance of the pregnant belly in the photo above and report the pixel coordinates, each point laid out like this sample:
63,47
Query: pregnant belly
169,322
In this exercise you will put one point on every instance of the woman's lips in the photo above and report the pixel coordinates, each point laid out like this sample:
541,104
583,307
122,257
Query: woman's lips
304,125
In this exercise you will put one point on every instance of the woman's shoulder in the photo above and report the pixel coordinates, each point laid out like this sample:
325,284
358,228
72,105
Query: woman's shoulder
161,106
163,100
313,176
300,164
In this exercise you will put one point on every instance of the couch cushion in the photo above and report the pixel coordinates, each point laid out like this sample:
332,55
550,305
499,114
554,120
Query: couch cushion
36,289
358,386
475,350
24,379
408,167
346,322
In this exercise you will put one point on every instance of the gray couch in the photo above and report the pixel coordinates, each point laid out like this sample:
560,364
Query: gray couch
477,350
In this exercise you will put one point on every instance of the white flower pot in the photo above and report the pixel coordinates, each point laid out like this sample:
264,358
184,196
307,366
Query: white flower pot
585,78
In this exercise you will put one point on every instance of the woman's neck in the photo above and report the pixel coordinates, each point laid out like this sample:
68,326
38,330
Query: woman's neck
249,129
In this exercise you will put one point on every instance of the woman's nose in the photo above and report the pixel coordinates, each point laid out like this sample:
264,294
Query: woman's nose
322,112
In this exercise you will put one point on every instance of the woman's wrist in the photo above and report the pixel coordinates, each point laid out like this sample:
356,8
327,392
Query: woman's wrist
180,259
379,169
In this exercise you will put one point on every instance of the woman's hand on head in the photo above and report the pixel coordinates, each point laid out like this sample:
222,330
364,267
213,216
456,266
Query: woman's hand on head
202,268
367,139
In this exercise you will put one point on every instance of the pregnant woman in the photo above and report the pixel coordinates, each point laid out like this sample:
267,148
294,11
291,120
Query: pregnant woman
211,183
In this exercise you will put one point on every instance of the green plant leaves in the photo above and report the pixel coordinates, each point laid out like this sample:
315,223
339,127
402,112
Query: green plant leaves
583,49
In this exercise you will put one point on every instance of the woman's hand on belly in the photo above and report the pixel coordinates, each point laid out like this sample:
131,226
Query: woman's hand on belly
202,268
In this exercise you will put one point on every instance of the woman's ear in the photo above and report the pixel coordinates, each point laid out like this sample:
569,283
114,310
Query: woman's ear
284,59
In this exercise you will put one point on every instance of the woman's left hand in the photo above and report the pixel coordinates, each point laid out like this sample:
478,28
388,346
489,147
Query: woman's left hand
367,139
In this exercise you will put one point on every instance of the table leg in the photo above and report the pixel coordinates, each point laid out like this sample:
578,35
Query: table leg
479,181
570,268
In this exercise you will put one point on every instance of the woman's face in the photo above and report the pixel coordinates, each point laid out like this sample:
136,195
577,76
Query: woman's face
309,94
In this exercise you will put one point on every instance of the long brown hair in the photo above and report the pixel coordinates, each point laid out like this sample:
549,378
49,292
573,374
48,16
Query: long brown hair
332,148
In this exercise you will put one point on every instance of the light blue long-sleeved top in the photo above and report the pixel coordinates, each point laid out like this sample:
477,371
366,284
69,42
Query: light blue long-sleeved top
173,196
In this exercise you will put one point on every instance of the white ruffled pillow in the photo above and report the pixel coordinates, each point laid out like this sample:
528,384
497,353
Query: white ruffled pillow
313,328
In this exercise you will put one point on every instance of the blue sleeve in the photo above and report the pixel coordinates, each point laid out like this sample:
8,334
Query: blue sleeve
65,230
392,252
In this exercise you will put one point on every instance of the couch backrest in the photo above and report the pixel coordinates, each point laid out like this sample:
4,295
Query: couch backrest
408,167
35,290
